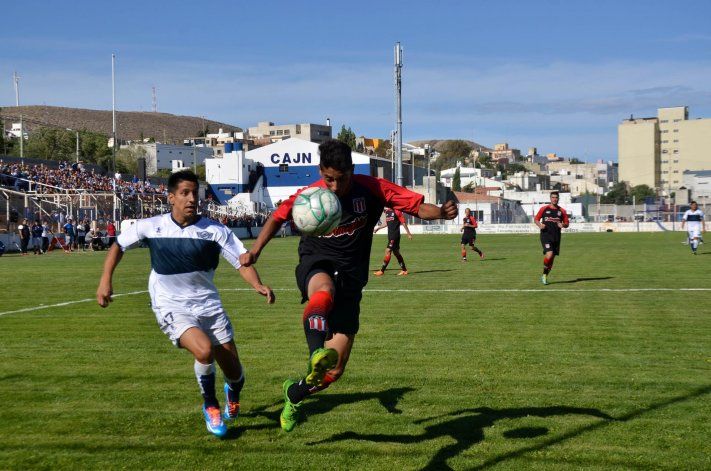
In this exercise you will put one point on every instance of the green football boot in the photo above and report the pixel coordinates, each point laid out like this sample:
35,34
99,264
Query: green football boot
544,279
290,414
322,360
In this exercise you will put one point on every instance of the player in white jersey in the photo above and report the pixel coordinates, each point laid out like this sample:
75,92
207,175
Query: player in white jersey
694,218
185,250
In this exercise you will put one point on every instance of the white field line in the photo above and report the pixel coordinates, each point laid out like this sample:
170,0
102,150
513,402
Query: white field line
398,290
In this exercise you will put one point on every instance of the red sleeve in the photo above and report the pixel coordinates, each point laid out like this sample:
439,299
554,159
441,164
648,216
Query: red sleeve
392,195
283,212
539,215
399,215
565,217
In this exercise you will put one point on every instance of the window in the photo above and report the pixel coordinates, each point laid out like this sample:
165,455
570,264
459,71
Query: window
283,168
665,161
665,171
287,131
664,151
665,141
676,130
676,151
271,133
298,129
677,120
665,131
676,161
664,121
676,171
676,140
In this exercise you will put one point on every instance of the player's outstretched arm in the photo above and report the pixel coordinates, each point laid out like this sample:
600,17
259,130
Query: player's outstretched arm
105,289
382,226
250,275
430,211
268,231
407,229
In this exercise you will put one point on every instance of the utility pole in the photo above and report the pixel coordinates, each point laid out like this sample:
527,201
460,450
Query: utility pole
155,100
22,141
16,80
398,113
113,111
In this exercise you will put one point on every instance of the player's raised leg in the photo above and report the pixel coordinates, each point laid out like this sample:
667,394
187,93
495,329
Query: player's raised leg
197,342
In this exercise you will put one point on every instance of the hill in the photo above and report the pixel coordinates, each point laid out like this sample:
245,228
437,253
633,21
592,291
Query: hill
438,144
130,125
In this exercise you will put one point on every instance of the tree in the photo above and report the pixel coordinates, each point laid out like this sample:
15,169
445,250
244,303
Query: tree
576,161
347,136
457,181
383,150
452,152
468,188
640,192
617,195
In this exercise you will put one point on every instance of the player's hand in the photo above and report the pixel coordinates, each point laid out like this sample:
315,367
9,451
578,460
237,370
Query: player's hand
103,294
409,236
560,224
247,259
449,210
267,292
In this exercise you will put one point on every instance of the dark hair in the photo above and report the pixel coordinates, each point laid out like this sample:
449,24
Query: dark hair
693,202
336,155
177,177
555,193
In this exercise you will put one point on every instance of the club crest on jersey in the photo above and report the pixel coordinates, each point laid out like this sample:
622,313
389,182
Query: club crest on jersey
359,205
204,235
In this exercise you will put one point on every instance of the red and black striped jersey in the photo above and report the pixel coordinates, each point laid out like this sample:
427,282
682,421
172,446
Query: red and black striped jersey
348,246
393,218
472,221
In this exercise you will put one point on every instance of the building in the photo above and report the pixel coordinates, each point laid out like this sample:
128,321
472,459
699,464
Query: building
530,181
317,133
161,156
699,183
490,209
657,151
583,177
470,176
260,178
502,153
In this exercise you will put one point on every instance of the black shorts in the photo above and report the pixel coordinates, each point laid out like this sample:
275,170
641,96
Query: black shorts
550,242
468,237
394,243
345,316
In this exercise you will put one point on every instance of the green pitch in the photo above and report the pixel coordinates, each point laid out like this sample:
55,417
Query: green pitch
460,365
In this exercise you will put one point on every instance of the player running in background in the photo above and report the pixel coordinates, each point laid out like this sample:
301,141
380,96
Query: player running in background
550,219
185,250
694,218
333,269
393,219
468,231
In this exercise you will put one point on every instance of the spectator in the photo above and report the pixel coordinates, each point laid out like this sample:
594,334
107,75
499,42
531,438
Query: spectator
46,232
36,238
81,235
111,232
69,230
24,230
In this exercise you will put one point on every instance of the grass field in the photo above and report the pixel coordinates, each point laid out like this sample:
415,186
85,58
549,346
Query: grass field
461,366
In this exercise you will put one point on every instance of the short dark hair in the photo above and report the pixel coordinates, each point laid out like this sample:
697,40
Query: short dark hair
555,193
693,202
181,176
336,155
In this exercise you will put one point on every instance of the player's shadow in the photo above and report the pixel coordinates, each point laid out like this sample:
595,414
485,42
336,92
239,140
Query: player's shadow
319,404
418,272
578,280
465,428
494,259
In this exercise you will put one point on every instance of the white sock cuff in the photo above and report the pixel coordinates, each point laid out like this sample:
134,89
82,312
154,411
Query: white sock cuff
202,369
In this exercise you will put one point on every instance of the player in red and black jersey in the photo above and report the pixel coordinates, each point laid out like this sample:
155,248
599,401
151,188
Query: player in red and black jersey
468,230
333,269
551,218
393,220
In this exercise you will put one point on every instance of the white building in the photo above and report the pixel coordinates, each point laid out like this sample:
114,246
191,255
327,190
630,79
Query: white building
161,156
470,175
699,182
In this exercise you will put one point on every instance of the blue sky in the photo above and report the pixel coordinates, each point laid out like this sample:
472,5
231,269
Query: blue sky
557,75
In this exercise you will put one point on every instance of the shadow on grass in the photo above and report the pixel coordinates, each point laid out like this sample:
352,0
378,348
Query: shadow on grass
493,259
578,280
466,428
320,404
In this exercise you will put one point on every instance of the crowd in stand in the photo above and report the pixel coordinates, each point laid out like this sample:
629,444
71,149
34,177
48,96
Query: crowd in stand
72,176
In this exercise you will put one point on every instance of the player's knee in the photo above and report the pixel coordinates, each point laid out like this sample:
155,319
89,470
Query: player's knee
203,353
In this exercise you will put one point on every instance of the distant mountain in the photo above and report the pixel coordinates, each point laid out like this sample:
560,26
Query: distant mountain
163,127
437,144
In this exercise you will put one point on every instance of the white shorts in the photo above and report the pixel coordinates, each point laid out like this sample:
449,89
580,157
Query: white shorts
175,320
694,233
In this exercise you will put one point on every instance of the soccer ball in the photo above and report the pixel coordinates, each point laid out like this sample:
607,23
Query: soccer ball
316,211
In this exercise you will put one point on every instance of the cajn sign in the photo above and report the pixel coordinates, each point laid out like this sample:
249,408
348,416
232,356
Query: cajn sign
285,158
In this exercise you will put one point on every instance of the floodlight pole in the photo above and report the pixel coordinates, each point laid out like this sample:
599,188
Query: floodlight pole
16,80
113,111
398,113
